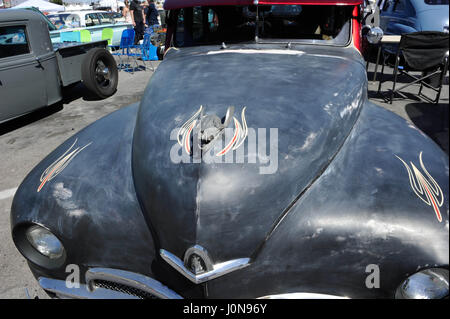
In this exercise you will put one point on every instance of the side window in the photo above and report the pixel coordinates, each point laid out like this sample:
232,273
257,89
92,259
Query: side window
73,21
399,6
213,20
387,5
179,33
13,41
196,25
91,20
105,18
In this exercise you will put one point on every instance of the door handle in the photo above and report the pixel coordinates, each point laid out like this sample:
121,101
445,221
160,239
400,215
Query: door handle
39,62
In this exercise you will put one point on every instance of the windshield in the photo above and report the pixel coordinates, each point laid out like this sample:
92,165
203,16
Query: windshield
287,23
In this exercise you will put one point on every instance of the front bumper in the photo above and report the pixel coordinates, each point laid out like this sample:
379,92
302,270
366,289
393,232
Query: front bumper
107,283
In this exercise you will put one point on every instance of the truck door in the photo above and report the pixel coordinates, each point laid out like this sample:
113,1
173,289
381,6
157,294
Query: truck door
22,84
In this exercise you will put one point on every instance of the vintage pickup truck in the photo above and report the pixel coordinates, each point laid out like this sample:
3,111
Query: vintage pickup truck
33,70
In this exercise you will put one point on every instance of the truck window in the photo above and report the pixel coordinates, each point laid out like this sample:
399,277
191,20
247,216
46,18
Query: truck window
13,41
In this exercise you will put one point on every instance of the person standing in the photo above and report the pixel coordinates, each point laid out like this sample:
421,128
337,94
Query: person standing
138,20
152,14
126,12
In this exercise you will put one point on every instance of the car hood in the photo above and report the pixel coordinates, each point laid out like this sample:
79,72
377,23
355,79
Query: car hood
303,101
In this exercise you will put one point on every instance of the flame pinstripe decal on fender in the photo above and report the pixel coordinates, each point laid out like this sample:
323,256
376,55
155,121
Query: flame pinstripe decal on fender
427,190
60,164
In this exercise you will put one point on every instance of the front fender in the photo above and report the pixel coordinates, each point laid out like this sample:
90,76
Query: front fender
84,193
361,211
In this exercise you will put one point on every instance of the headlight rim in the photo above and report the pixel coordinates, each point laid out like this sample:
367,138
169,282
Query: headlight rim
29,236
31,253
400,292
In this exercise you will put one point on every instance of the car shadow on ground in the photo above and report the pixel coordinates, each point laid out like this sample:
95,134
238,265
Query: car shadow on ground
385,96
29,118
70,93
76,91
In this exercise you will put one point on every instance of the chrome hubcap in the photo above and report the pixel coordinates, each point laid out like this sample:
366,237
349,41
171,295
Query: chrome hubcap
103,74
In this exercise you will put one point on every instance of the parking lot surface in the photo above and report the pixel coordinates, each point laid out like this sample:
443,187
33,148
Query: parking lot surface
26,141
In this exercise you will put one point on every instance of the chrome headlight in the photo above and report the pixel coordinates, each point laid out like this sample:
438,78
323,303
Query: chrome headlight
44,242
426,284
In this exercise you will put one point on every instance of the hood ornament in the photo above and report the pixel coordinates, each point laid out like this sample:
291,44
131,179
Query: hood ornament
198,267
211,128
197,260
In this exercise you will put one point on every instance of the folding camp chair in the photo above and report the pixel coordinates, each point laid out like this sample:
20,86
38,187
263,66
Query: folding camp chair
142,51
425,52
148,51
126,43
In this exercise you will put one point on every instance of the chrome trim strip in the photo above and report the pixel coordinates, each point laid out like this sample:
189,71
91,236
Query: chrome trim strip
59,288
130,279
89,291
302,295
217,271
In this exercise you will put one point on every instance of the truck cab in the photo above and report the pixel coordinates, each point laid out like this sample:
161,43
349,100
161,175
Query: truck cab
33,69
28,65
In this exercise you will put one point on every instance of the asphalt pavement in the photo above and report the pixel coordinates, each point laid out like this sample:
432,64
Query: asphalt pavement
26,141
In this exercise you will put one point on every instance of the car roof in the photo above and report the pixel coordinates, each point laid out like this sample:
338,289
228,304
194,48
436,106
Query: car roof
177,4
85,12
18,14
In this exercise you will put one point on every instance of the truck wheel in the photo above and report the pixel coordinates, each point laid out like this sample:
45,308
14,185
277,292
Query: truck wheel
99,72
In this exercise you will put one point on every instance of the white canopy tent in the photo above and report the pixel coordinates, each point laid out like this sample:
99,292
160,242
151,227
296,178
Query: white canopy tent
113,4
42,5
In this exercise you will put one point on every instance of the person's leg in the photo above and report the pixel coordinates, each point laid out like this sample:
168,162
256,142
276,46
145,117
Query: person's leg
136,34
141,31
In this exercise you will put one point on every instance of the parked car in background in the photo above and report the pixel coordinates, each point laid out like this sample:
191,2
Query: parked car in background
33,70
406,16
58,19
95,22
254,166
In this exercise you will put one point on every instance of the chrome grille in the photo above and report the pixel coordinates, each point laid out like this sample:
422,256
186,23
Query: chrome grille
123,289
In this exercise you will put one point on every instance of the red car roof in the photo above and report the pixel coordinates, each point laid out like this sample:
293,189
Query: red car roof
176,4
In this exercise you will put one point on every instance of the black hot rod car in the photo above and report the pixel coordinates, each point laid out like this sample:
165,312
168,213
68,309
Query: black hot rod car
254,166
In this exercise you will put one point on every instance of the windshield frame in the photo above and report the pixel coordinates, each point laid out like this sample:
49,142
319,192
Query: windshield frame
344,36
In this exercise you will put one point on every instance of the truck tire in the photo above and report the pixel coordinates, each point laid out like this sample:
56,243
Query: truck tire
99,72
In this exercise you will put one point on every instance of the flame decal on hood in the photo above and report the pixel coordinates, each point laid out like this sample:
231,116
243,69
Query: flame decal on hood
426,189
60,164
240,133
